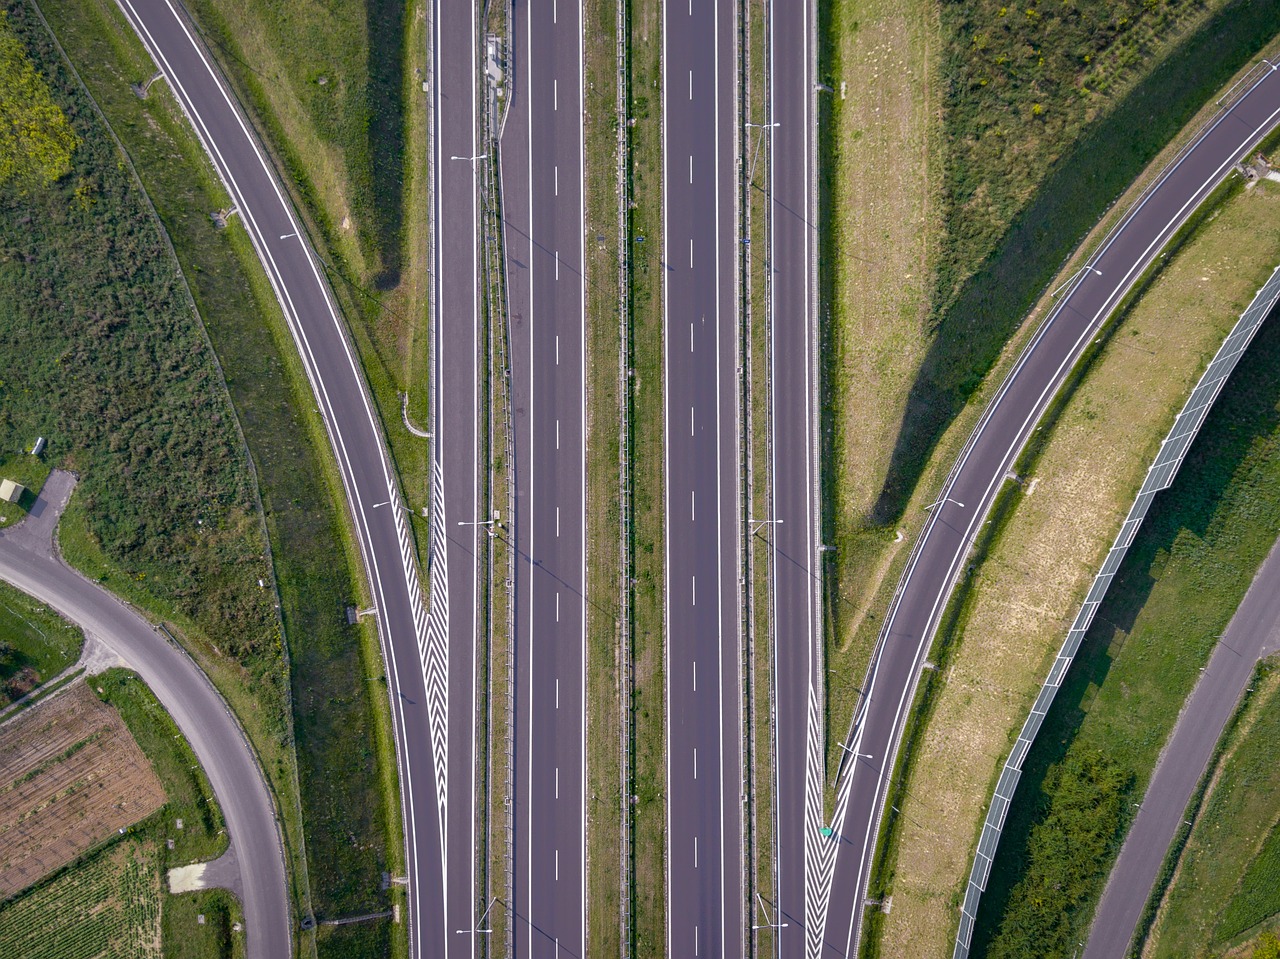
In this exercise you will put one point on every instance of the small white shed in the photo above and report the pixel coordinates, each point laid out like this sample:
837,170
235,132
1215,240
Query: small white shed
10,491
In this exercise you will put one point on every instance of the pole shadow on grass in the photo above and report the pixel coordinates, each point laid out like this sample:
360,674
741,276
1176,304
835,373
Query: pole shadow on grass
976,324
1248,412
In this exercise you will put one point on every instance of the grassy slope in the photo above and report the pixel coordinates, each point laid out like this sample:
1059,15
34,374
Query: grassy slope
1233,820
1204,539
345,766
39,640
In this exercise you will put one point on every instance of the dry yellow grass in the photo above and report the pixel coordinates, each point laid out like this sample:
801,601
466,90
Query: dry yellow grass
885,227
1026,593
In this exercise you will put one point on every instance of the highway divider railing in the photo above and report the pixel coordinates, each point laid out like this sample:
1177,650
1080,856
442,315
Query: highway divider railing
1160,475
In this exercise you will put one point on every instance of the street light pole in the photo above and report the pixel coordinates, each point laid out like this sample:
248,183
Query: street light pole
758,524
945,499
487,524
1072,278
767,924
479,922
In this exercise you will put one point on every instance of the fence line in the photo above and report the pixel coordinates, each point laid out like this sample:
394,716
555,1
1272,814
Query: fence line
1160,475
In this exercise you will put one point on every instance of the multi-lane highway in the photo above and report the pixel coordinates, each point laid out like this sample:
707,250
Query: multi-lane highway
542,188
417,663
937,558
29,560
803,862
702,336
455,410
1254,632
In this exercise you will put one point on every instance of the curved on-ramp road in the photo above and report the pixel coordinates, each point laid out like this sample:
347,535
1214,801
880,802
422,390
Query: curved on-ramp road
29,561
938,557
416,656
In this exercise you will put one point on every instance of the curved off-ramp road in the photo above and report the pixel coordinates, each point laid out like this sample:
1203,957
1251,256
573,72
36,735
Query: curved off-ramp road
846,857
1254,632
30,562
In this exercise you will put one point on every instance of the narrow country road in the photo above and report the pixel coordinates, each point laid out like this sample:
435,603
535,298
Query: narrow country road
1254,632
30,562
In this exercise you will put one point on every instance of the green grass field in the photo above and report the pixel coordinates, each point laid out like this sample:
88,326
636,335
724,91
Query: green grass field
1204,539
36,644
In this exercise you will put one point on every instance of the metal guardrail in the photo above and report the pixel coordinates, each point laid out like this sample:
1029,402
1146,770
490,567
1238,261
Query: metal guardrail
1160,476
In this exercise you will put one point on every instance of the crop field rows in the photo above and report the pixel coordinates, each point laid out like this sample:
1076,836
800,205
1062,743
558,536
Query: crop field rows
108,908
72,776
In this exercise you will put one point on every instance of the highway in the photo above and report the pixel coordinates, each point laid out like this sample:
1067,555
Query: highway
542,188
30,562
937,558
701,346
803,869
1254,632
453,578
416,661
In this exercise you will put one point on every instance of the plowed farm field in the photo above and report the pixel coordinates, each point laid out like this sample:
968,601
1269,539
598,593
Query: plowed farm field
71,775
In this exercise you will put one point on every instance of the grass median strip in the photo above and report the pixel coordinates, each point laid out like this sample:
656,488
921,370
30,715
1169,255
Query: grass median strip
604,530
644,116
1059,518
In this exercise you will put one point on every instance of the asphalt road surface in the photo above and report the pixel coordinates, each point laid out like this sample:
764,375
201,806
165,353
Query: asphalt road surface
416,661
938,557
1253,632
700,257
455,378
803,871
542,164
29,561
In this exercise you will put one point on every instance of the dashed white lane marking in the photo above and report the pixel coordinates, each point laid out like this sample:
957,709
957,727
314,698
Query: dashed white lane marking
554,12
557,782
556,187
695,762
690,336
691,421
690,84
691,253
557,266
557,349
557,607
557,521
693,506
695,675
555,94
557,434
557,694
693,597
690,167
557,880
695,852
